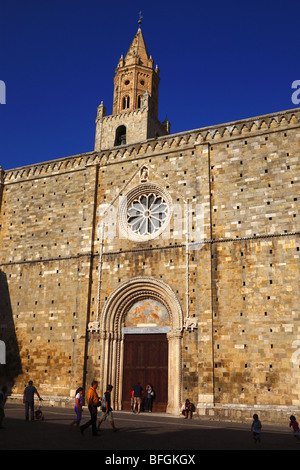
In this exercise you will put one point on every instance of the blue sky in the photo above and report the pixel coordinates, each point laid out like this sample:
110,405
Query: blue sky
219,61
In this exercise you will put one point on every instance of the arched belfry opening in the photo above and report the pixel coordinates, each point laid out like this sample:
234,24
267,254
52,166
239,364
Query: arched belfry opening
123,302
120,138
126,102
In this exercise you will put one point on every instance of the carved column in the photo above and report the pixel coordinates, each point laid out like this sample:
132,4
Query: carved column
104,348
120,370
174,372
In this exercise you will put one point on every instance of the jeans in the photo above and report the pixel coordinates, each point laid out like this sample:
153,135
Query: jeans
148,404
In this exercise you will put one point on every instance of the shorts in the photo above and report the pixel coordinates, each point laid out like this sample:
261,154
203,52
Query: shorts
137,400
103,416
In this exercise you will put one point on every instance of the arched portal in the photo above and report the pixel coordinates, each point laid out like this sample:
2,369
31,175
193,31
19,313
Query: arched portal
112,322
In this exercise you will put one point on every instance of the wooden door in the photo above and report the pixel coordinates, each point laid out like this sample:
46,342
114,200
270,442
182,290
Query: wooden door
146,361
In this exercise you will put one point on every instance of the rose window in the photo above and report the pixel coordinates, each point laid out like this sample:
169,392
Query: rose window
145,212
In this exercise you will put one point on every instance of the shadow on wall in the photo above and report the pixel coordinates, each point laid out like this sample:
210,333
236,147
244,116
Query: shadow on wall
10,362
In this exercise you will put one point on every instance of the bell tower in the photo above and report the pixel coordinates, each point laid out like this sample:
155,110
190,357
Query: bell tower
134,77
135,101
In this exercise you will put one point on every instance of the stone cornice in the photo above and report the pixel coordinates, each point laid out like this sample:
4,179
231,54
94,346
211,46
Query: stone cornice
125,114
208,135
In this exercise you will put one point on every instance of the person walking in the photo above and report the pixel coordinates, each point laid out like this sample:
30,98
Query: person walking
256,429
296,430
93,403
28,400
77,407
106,411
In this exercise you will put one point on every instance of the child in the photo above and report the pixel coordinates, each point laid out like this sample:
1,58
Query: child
77,407
256,429
294,424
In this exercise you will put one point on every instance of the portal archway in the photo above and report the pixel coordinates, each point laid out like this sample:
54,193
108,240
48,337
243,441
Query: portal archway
112,322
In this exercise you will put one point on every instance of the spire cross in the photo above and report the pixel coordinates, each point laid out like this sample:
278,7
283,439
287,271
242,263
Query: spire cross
140,19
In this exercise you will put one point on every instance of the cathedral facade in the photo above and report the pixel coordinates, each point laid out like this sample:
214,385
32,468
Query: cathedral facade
169,259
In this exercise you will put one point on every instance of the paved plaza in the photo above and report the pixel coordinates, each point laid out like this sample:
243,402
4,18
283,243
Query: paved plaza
144,434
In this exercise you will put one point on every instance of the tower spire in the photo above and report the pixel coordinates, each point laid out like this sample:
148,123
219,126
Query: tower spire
134,76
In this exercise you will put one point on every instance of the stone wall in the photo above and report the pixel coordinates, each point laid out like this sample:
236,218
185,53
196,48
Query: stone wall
46,232
237,284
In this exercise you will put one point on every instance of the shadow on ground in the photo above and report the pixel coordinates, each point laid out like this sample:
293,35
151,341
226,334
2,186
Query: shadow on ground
142,433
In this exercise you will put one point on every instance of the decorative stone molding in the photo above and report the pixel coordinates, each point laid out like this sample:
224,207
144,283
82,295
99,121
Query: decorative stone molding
94,326
144,174
145,211
119,302
190,324
112,343
212,134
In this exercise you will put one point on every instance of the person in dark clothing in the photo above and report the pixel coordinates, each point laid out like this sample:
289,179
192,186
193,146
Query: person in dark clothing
106,411
188,409
28,399
149,398
3,397
138,391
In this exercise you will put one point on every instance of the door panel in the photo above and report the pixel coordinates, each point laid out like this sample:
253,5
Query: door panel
146,361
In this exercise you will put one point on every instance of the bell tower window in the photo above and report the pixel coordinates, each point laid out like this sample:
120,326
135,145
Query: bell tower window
120,136
125,102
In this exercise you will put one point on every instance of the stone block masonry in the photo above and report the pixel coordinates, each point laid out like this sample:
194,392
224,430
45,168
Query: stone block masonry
234,273
46,233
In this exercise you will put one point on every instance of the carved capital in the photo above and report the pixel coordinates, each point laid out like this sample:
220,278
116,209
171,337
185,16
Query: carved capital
94,326
190,324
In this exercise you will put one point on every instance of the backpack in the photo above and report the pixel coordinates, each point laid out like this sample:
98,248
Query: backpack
104,403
